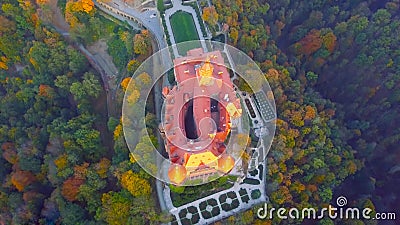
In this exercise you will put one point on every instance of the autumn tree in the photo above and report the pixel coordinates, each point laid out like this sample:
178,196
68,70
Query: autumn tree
210,15
329,41
247,217
81,6
136,185
310,43
102,167
70,188
234,35
133,64
46,91
118,132
125,83
143,80
116,208
141,43
20,179
9,152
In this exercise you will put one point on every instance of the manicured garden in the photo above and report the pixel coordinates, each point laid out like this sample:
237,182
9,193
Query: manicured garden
184,29
183,195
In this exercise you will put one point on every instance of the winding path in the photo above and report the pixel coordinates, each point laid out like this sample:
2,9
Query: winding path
123,12
56,19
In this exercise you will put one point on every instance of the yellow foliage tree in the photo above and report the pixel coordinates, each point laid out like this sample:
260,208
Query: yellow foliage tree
69,16
296,118
297,187
133,97
234,35
132,65
102,167
210,15
3,66
351,167
61,162
329,40
132,158
117,131
136,185
116,208
144,78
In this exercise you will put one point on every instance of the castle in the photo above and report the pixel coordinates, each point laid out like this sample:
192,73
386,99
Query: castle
197,117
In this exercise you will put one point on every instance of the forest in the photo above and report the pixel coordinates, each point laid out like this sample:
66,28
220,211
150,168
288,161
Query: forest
334,69
333,66
64,160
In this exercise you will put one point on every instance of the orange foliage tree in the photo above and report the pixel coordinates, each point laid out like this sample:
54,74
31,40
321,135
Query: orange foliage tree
46,91
20,179
70,188
80,171
9,152
310,113
3,62
125,82
87,5
310,43
82,6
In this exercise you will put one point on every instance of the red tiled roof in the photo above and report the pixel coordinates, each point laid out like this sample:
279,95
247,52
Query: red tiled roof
200,76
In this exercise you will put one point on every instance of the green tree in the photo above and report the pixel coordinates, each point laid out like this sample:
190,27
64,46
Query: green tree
91,85
77,62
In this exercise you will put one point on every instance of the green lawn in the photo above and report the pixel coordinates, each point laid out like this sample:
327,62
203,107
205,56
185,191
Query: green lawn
184,29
